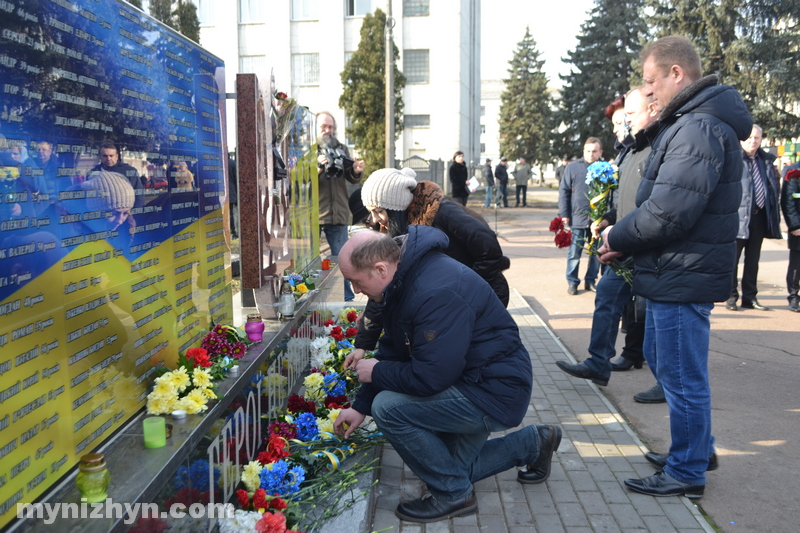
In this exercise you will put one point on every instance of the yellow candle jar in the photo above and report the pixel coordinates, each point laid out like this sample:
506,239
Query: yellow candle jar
93,477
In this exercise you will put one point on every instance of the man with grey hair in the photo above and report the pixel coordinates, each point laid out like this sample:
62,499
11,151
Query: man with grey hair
759,217
450,369
682,236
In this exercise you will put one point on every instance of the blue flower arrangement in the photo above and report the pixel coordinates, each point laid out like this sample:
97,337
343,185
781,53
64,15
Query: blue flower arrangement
307,429
278,478
334,385
601,171
195,476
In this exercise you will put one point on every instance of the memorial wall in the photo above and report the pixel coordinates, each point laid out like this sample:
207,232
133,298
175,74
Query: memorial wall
113,258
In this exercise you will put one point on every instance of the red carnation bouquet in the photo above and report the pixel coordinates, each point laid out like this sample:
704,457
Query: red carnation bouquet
563,237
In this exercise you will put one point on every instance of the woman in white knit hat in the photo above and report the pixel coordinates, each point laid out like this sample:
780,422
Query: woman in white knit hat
112,195
395,201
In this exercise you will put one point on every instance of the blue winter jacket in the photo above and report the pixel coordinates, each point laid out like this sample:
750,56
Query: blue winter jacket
682,233
444,326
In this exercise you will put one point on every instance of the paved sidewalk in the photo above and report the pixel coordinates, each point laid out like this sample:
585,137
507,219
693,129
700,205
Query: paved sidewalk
584,493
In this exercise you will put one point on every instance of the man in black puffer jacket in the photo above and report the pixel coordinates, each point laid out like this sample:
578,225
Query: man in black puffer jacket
449,370
682,236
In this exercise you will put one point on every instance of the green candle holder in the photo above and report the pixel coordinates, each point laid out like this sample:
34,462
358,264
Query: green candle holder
93,477
155,432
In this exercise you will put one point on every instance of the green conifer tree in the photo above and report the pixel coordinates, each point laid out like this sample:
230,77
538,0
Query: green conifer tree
525,109
180,15
603,62
363,96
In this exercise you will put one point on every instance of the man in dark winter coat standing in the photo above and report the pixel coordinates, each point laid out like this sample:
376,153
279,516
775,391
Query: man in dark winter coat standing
682,236
501,175
790,205
488,182
449,370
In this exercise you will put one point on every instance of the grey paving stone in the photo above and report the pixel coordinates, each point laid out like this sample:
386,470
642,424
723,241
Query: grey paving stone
489,503
582,481
551,523
562,492
492,523
384,519
626,516
387,497
593,503
463,522
572,515
541,502
391,475
518,514
604,523
679,514
658,523
613,492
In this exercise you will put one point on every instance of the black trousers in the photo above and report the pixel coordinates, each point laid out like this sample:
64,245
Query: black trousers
793,274
752,254
634,336
524,190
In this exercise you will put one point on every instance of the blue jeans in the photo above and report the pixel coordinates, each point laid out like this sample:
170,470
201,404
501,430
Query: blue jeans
580,236
489,195
612,295
443,439
336,235
676,348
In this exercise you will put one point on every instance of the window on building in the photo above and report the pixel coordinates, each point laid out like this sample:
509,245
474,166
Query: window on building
205,11
251,11
305,69
253,65
483,110
359,8
483,128
416,66
417,121
483,148
304,10
416,8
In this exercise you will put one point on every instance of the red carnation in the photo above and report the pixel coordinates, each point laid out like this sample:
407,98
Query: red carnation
352,316
563,239
279,504
329,322
244,498
557,224
271,523
337,334
260,499
351,332
198,357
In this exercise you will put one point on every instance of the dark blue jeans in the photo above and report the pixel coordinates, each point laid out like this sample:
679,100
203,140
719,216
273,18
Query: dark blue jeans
443,439
613,293
580,236
336,235
676,348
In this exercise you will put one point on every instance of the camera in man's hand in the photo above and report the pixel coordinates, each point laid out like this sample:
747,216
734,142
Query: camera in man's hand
337,163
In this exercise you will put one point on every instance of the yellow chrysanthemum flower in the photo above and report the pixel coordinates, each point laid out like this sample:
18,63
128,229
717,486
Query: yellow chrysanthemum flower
251,475
201,378
209,393
179,379
194,402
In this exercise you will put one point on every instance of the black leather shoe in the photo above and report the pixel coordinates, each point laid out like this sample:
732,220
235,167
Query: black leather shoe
660,460
653,395
662,484
573,290
431,509
753,304
623,363
794,305
731,304
581,371
539,471
589,286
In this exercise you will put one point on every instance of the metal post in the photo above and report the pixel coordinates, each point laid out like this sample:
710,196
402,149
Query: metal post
389,119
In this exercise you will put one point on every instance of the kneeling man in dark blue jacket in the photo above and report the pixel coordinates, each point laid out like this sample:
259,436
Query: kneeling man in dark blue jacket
449,370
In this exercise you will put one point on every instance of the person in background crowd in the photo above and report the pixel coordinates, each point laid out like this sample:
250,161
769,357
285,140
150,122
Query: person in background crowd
790,205
501,176
759,217
458,179
334,214
488,181
682,235
450,370
573,207
522,173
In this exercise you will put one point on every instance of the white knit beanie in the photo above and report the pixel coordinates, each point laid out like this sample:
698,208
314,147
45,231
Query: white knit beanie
114,191
389,188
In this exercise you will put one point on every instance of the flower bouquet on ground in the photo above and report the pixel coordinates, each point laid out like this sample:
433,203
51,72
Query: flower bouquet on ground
301,474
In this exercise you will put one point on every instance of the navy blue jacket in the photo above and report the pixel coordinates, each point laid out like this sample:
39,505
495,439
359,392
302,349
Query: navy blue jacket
444,326
682,233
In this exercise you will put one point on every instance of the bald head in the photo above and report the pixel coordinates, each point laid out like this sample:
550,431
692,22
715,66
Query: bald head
640,110
369,261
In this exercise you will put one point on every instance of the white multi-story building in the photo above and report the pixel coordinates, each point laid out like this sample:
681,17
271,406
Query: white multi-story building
307,42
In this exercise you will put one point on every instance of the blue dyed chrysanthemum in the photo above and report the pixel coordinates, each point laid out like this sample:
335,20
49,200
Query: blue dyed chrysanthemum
307,429
334,385
273,476
296,476
601,171
195,476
